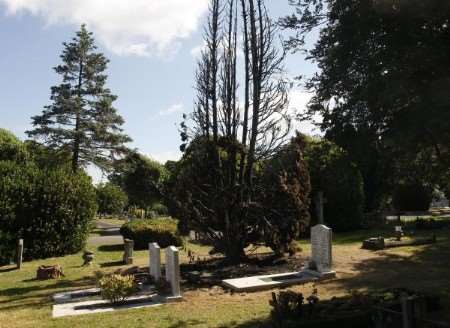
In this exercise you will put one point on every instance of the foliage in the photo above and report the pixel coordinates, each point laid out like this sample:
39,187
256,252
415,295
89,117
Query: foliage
286,197
50,209
141,178
161,231
224,142
412,197
47,157
160,209
82,118
289,308
381,90
339,179
11,148
7,247
117,288
110,199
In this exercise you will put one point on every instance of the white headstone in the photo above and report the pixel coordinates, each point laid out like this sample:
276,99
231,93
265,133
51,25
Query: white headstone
173,269
321,247
19,254
154,261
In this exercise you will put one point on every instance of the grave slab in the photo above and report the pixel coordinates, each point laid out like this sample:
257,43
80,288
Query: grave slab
67,297
101,306
264,282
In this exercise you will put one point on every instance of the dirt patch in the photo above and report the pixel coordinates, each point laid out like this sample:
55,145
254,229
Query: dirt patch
211,272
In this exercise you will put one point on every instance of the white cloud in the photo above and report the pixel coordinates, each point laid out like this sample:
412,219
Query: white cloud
197,51
163,157
126,27
176,108
298,101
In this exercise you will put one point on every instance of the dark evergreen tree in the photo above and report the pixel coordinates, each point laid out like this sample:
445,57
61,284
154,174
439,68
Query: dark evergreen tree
82,118
382,87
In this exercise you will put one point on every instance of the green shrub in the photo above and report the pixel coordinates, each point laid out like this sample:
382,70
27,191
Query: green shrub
11,148
117,288
111,199
7,247
333,173
160,210
412,197
50,209
285,197
162,231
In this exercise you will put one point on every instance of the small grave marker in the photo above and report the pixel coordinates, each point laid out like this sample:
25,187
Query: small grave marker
128,251
19,254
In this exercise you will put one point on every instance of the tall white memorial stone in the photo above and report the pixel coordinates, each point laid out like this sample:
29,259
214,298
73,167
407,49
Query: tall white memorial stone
154,261
173,270
321,249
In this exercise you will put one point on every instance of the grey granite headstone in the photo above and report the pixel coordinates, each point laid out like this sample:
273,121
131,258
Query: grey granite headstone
321,248
155,261
19,254
173,270
128,251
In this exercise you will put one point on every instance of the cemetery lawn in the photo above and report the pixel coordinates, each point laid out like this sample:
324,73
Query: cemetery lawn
25,302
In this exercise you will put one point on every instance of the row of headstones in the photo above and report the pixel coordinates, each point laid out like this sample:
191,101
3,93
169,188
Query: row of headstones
172,267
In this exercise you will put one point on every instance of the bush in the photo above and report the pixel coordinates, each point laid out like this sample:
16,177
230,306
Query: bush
161,231
117,288
7,247
50,209
285,197
111,199
339,179
412,197
160,210
11,148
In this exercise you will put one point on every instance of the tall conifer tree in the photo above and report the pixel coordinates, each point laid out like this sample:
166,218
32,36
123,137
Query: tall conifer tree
82,118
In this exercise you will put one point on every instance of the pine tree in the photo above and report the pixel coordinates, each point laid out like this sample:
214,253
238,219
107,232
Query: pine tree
82,118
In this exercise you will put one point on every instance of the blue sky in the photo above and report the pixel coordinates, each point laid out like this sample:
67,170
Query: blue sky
152,49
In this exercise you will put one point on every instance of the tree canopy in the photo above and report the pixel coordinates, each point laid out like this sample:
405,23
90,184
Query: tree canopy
81,118
382,84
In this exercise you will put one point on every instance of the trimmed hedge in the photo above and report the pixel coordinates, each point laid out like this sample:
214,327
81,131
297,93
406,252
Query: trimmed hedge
162,231
50,209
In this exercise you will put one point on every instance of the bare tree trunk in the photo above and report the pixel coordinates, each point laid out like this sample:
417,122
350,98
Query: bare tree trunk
256,93
247,92
76,142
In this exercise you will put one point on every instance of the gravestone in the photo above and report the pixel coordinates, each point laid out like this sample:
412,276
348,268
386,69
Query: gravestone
19,254
321,248
128,251
154,261
173,270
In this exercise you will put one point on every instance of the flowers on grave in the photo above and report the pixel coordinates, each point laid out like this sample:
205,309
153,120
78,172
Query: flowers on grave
117,288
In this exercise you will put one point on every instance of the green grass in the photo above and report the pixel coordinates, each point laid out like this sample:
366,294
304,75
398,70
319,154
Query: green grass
25,302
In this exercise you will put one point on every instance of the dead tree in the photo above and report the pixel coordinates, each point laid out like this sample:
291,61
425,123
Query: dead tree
219,202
